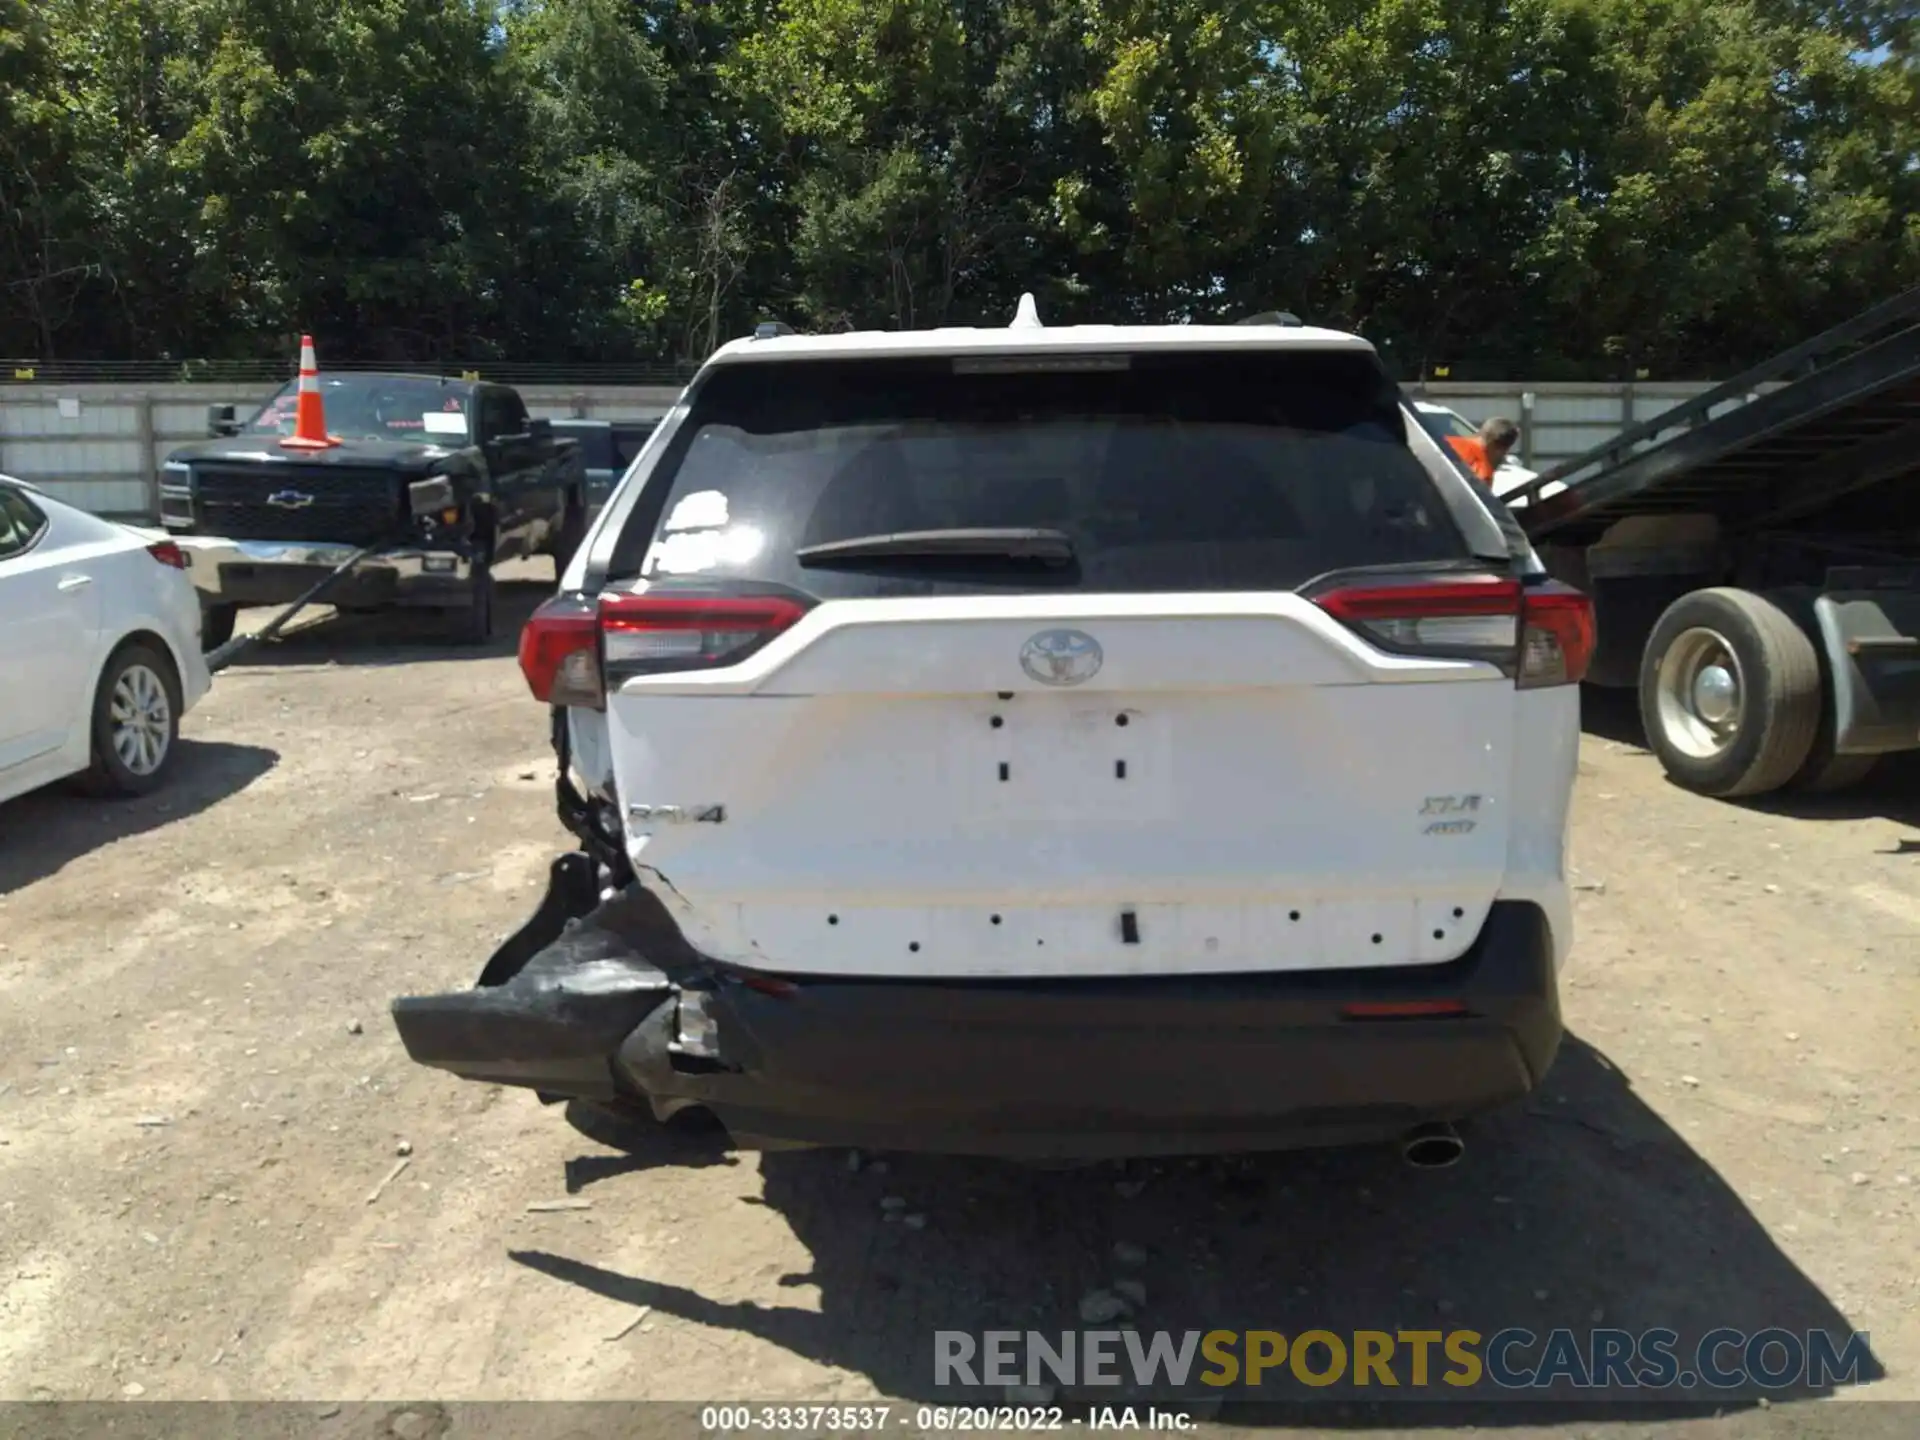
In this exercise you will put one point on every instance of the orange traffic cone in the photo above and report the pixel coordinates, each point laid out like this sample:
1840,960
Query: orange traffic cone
309,414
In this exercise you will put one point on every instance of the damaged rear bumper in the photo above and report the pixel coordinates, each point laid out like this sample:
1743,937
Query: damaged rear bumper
554,1003
1080,1069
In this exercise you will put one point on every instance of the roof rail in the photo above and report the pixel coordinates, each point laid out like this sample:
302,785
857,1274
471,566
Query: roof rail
769,329
1271,317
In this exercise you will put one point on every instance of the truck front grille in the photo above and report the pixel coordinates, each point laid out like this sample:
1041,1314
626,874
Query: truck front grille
337,503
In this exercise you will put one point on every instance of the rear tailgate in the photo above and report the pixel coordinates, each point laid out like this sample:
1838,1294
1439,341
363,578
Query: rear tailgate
1162,757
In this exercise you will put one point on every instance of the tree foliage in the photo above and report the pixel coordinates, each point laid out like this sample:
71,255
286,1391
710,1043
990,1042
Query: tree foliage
1573,187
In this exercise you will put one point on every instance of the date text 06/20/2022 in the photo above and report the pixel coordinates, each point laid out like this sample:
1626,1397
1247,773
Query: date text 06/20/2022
926,1419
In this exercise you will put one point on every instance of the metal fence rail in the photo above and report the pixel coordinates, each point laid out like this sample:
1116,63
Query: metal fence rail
265,374
100,445
99,442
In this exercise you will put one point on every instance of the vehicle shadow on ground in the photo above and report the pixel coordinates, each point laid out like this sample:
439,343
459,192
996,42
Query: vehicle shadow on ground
389,637
1582,1210
1891,792
686,1144
41,832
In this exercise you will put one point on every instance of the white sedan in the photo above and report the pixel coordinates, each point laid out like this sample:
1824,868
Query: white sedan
99,648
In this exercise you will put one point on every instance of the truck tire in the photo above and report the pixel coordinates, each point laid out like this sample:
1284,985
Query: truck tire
1826,773
473,622
1729,693
216,625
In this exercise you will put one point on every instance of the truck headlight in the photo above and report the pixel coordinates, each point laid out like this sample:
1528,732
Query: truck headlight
695,1030
431,496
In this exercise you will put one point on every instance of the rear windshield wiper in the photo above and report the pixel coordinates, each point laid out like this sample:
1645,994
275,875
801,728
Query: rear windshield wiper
1010,543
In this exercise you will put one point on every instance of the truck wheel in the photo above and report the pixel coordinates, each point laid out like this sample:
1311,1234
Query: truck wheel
1729,693
473,622
573,530
216,625
1826,773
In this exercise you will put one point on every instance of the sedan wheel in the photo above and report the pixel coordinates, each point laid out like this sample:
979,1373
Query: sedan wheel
142,720
136,720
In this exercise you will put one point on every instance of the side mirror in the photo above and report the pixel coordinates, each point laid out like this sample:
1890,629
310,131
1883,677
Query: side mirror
220,422
540,428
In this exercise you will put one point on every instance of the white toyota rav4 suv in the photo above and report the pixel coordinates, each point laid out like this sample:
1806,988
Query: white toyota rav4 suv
1046,742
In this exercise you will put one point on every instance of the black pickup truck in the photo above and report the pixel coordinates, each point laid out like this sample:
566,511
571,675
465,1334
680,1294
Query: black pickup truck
443,479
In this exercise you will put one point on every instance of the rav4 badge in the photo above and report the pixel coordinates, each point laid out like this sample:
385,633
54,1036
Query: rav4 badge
1061,657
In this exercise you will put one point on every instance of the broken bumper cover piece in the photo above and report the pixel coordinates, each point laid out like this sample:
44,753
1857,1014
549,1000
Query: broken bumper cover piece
554,1003
1036,1069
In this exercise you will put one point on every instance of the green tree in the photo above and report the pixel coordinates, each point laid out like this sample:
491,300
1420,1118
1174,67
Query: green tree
1578,187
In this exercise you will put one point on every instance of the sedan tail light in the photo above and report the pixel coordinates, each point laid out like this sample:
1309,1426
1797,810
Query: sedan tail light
168,553
1540,634
573,647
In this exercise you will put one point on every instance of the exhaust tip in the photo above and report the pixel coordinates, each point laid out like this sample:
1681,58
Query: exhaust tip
1432,1147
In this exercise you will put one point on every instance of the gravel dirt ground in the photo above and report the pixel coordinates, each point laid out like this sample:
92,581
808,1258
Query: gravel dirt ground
204,1110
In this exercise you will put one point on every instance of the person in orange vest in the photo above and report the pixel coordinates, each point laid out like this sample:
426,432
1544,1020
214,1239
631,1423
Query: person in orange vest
1484,452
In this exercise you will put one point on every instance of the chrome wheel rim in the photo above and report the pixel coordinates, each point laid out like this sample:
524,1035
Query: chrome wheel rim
1699,694
142,718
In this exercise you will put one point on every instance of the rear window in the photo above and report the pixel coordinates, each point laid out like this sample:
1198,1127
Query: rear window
377,407
1167,472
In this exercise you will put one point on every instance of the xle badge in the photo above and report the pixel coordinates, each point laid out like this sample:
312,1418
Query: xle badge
1450,805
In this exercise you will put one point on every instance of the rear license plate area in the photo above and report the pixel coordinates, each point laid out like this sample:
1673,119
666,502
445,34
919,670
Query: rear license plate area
1043,757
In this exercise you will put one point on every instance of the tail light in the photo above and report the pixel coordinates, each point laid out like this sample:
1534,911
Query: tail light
168,553
1540,634
571,646
1556,637
1469,616
560,653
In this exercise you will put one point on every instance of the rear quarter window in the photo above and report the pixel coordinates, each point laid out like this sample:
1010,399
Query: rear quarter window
22,523
1168,472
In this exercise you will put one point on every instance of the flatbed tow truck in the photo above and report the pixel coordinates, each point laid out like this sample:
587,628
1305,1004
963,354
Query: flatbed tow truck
1754,559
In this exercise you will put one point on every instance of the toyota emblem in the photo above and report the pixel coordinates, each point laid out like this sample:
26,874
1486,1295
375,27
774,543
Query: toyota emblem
1062,657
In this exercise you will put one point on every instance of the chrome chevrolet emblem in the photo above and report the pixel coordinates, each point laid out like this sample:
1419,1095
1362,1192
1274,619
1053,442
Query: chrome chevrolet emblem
290,499
1061,657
